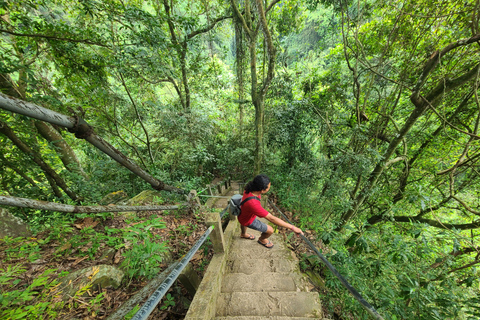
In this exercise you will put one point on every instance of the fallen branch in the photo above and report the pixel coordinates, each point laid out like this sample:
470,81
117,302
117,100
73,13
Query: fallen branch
45,205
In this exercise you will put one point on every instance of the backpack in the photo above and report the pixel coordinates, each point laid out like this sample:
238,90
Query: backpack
236,203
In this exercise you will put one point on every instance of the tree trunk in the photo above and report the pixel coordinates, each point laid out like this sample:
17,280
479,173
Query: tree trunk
53,185
44,205
181,48
258,90
421,104
8,132
240,56
63,149
22,174
8,87
259,124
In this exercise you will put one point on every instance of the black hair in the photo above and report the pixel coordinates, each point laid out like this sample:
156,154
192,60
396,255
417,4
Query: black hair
258,183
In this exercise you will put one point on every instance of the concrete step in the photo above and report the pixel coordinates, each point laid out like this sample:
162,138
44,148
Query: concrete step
276,239
252,266
266,282
267,304
251,248
258,251
264,318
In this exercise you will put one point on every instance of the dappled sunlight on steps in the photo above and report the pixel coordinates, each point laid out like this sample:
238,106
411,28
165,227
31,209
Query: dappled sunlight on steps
251,282
261,283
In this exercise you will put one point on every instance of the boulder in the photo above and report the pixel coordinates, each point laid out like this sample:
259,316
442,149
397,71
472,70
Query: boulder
144,197
316,279
12,226
113,198
101,276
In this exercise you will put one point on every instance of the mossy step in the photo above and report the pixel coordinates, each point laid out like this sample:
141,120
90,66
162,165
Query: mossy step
242,244
264,318
260,252
266,282
263,304
252,266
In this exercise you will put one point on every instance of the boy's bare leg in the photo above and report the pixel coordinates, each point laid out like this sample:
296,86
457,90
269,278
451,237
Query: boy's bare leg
265,235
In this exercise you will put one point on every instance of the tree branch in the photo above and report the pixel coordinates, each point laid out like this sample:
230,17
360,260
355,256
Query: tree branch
270,6
397,159
242,19
139,118
435,60
270,47
209,27
437,224
456,254
447,85
477,213
54,38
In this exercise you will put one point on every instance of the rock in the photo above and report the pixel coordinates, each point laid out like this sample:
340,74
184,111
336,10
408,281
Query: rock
101,276
108,254
144,197
114,197
315,278
12,226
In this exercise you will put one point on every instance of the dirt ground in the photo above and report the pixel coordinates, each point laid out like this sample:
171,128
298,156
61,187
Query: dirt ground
181,232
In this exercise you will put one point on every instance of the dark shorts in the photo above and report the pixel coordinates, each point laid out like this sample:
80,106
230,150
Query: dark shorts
258,225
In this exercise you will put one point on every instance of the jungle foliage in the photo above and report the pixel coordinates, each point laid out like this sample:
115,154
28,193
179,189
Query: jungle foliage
365,114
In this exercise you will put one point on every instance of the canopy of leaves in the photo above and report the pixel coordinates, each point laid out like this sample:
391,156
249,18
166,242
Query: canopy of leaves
370,127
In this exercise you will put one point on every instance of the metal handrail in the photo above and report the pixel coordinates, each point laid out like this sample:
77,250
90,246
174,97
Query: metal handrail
155,298
202,191
224,212
207,196
370,309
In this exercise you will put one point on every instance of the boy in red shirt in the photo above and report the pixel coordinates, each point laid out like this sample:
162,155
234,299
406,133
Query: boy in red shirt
252,209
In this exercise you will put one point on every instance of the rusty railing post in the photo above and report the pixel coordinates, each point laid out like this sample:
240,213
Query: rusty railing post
189,278
193,199
213,219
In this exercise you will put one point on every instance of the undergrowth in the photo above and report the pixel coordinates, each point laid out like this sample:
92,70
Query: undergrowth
32,268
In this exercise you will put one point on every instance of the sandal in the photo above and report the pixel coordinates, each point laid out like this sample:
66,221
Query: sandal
250,237
266,245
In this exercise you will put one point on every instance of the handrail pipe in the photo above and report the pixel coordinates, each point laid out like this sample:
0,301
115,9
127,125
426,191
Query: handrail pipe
155,298
370,309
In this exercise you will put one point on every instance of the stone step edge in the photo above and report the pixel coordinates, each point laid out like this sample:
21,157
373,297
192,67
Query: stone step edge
299,280
264,318
290,304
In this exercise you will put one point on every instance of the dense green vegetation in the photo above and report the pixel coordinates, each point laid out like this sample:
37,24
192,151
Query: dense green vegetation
365,115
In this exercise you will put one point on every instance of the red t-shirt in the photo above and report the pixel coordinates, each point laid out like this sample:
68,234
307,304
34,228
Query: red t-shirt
251,209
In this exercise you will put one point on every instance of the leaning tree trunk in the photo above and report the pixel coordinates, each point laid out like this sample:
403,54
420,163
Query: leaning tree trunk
7,86
8,132
60,207
252,24
62,148
53,185
421,103
22,174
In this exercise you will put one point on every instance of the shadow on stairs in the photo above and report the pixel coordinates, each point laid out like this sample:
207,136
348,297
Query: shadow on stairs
251,282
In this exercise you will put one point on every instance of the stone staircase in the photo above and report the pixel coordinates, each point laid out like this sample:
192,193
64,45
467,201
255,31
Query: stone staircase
261,283
251,282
